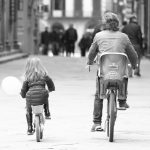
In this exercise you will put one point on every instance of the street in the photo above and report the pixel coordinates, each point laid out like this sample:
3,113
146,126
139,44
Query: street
71,107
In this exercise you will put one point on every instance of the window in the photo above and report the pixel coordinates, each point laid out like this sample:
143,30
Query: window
57,8
45,8
58,4
20,5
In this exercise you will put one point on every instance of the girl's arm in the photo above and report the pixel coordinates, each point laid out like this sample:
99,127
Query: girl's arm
24,89
50,84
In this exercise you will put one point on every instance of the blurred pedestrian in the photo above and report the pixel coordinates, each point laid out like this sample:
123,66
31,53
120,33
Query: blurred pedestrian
54,36
61,42
70,38
85,43
133,30
33,89
124,23
45,41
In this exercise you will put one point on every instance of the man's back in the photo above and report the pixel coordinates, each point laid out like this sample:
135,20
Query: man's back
108,41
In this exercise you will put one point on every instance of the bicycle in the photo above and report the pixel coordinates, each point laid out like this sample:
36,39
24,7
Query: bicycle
113,74
39,121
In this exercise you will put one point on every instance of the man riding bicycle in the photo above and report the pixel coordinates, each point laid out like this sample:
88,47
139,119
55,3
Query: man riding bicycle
109,40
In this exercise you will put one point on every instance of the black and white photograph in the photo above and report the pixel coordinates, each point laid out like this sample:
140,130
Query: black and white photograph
74,74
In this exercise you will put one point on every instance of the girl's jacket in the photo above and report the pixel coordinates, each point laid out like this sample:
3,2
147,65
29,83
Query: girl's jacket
36,92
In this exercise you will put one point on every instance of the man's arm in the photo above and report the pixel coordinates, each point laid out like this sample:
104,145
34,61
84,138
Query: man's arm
92,52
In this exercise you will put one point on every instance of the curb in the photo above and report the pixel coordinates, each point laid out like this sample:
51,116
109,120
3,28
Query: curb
15,56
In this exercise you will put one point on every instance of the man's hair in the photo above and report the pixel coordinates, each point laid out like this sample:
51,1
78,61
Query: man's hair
112,21
133,19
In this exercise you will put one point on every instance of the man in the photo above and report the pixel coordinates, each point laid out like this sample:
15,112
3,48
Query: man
70,37
45,41
109,40
133,30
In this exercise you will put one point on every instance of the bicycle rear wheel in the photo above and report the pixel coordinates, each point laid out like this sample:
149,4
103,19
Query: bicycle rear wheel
37,128
112,115
107,120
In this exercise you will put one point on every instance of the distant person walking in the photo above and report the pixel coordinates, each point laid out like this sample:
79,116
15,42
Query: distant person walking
85,43
45,41
124,23
133,30
70,38
54,39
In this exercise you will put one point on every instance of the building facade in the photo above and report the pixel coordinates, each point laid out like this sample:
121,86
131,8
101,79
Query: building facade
8,26
78,12
18,26
28,26
83,14
142,10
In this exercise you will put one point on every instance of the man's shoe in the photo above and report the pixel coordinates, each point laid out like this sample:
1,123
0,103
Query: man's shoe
96,127
123,105
47,117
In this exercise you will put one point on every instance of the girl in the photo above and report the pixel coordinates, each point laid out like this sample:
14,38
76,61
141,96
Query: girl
33,89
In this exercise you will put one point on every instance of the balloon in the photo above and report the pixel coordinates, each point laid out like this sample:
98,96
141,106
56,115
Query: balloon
11,85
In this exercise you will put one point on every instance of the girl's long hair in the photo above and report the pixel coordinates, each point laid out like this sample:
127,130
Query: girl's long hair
34,70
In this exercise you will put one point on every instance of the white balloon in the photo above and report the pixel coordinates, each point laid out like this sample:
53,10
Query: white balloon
11,85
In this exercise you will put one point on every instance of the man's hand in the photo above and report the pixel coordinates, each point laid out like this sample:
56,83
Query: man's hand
88,67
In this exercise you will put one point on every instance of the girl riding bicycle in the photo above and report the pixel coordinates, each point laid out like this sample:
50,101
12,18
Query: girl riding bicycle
34,89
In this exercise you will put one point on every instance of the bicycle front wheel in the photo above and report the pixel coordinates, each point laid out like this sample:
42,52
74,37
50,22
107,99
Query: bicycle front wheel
37,128
112,115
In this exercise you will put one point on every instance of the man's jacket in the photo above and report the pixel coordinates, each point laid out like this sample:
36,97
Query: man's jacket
112,41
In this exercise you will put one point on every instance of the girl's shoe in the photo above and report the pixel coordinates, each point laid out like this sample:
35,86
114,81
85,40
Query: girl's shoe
30,131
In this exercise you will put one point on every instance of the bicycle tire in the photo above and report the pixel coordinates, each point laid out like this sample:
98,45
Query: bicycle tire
112,114
42,121
37,128
107,121
41,134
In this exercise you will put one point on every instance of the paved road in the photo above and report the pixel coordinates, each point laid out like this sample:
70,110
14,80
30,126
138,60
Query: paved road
71,108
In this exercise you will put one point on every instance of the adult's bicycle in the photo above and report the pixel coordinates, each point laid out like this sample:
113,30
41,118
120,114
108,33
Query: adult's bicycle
113,77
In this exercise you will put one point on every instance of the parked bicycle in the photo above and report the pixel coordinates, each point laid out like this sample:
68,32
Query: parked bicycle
113,73
39,121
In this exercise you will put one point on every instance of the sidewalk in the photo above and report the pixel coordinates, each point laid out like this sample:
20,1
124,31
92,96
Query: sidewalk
71,107
10,56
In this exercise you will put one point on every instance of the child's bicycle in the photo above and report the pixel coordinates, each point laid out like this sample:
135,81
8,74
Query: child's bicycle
113,73
39,121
